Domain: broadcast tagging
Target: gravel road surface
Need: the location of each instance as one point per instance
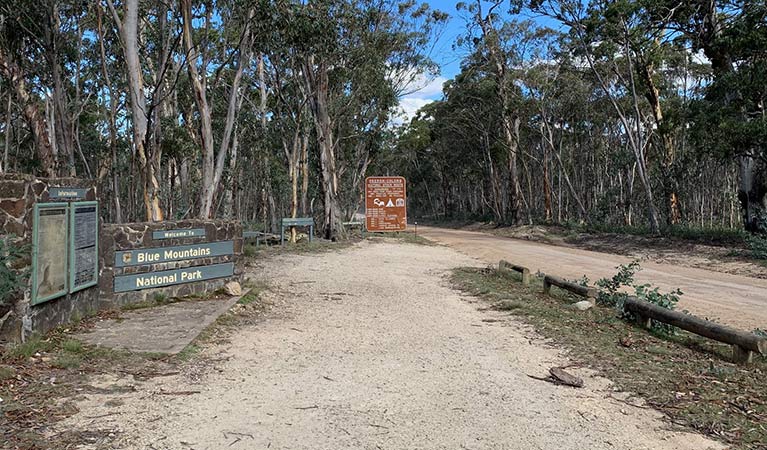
(369, 348)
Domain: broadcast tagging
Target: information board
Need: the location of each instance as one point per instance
(84, 259)
(50, 230)
(385, 204)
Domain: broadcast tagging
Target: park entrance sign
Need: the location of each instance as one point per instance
(385, 204)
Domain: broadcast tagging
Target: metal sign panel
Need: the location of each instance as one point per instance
(50, 230)
(297, 222)
(175, 234)
(156, 255)
(385, 204)
(140, 281)
(67, 193)
(83, 251)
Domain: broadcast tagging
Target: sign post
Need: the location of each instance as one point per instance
(385, 204)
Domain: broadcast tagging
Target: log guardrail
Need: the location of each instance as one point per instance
(744, 344)
(575, 288)
(505, 265)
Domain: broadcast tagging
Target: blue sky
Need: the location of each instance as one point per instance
(445, 56)
(449, 60)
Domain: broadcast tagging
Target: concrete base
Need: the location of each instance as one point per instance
(163, 329)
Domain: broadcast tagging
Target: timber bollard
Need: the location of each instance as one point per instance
(505, 265)
(584, 291)
(744, 344)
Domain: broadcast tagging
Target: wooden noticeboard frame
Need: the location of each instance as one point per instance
(385, 204)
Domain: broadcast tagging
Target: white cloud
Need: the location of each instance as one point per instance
(407, 108)
(420, 92)
(425, 87)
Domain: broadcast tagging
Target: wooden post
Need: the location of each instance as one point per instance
(644, 321)
(744, 344)
(742, 355)
(505, 265)
(584, 291)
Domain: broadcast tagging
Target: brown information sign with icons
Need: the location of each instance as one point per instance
(385, 202)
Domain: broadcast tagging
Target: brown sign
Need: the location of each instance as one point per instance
(385, 202)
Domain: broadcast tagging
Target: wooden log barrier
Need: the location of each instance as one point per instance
(584, 291)
(505, 265)
(744, 344)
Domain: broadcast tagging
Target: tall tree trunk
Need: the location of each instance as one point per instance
(118, 215)
(8, 123)
(318, 86)
(510, 121)
(305, 175)
(128, 28)
(31, 112)
(674, 216)
(213, 162)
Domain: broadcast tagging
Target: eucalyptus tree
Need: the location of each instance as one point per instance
(237, 49)
(490, 23)
(353, 54)
(154, 62)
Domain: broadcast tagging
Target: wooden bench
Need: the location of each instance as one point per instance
(744, 344)
(584, 291)
(505, 265)
(290, 222)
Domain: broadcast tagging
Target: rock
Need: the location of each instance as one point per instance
(560, 376)
(233, 288)
(582, 306)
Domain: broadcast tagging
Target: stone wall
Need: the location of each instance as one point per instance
(18, 196)
(132, 236)
(19, 318)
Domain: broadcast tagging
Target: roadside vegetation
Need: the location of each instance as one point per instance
(687, 377)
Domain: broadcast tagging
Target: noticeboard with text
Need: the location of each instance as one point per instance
(385, 204)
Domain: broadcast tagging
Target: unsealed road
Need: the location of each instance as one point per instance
(370, 348)
(731, 299)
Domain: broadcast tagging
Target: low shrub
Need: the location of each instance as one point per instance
(614, 291)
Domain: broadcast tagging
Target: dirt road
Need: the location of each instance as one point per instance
(369, 348)
(731, 299)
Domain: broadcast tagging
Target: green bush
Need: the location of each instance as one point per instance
(612, 292)
(758, 247)
(10, 280)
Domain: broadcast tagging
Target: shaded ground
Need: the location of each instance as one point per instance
(736, 300)
(166, 329)
(369, 348)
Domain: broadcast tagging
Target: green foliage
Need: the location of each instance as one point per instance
(11, 280)
(758, 247)
(613, 293)
(610, 293)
